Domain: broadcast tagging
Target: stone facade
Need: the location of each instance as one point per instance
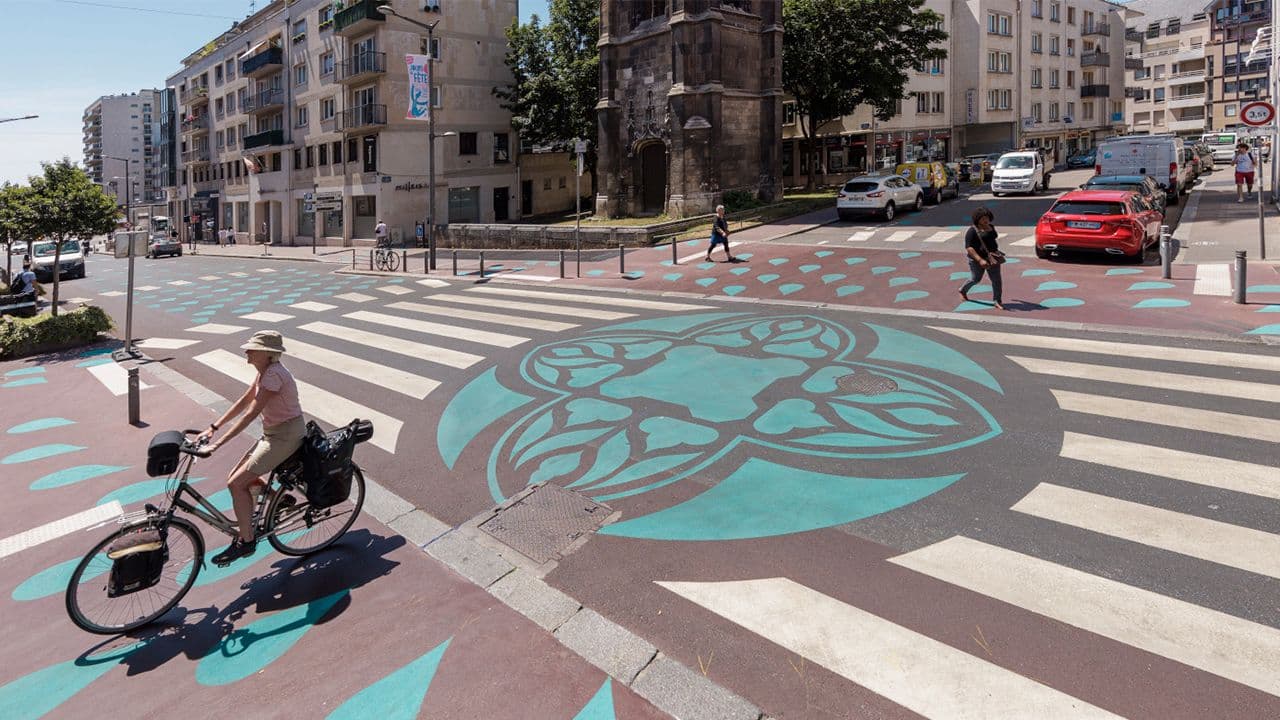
(690, 104)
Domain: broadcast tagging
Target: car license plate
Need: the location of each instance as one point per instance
(1083, 224)
(857, 196)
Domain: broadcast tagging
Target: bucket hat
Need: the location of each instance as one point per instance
(266, 341)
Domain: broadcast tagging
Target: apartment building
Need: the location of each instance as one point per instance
(291, 125)
(1037, 73)
(124, 126)
(1167, 63)
(1232, 82)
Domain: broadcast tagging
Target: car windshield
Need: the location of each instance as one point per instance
(1015, 162)
(1136, 187)
(1088, 207)
(861, 186)
(46, 249)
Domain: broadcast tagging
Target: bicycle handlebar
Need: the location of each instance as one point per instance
(196, 448)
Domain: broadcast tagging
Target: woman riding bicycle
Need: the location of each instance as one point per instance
(274, 396)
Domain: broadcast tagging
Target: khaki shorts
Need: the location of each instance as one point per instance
(277, 444)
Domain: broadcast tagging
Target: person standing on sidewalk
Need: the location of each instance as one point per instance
(380, 234)
(720, 234)
(1244, 170)
(984, 255)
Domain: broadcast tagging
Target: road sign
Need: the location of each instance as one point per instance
(1258, 113)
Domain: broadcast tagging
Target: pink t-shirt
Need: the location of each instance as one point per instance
(284, 404)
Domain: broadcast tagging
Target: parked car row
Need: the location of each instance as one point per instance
(909, 187)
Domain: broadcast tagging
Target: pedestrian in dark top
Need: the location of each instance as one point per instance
(984, 255)
(720, 234)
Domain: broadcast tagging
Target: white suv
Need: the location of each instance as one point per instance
(879, 195)
(1020, 171)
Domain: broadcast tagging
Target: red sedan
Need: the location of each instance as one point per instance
(1115, 222)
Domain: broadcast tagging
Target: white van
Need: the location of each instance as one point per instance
(1020, 171)
(1158, 156)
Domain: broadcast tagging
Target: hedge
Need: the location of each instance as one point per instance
(20, 337)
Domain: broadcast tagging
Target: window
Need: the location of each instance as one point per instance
(1053, 78)
(231, 104)
(1053, 112)
(788, 114)
(1153, 30)
(1071, 78)
(370, 153)
(1071, 110)
(219, 139)
(922, 102)
(322, 150)
(217, 75)
(1158, 95)
(218, 107)
(1053, 45)
(231, 70)
(433, 51)
(326, 17)
(998, 23)
(231, 137)
(326, 64)
(1071, 47)
(299, 30)
(300, 74)
(1055, 12)
(1229, 110)
(297, 158)
(275, 162)
(1071, 15)
(1035, 77)
(1037, 43)
(939, 102)
(1035, 112)
(328, 108)
(501, 148)
(562, 182)
(999, 99)
(435, 96)
(467, 143)
(1088, 110)
(1037, 8)
(1174, 27)
(311, 156)
(353, 150)
(302, 117)
(337, 152)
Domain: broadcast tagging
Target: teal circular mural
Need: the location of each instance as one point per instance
(773, 424)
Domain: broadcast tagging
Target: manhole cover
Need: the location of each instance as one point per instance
(863, 383)
(544, 523)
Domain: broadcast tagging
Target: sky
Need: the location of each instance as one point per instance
(58, 56)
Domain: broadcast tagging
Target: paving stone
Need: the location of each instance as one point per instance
(474, 562)
(535, 599)
(605, 644)
(418, 527)
(683, 693)
(382, 504)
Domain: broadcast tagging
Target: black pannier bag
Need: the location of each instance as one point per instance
(139, 567)
(162, 453)
(326, 461)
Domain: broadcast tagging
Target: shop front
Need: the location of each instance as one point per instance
(931, 145)
(1053, 146)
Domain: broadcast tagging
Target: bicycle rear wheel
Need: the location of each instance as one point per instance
(299, 529)
(86, 598)
(393, 261)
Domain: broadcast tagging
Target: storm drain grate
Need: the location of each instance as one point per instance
(865, 383)
(544, 523)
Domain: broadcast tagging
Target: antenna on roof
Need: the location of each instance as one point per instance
(253, 5)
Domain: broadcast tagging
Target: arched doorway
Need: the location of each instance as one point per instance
(653, 178)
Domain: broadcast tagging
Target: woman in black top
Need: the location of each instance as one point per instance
(984, 255)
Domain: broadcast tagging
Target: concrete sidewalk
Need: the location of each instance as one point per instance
(1214, 226)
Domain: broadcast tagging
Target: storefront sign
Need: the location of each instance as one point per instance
(411, 186)
(419, 88)
(971, 106)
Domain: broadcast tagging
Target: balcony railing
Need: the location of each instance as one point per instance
(269, 60)
(263, 139)
(357, 18)
(1095, 59)
(1098, 28)
(364, 116)
(200, 122)
(1133, 63)
(199, 155)
(269, 99)
(362, 64)
(1095, 91)
(1131, 35)
(1189, 100)
(194, 95)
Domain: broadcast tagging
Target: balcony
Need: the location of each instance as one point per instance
(264, 139)
(195, 157)
(1131, 35)
(1099, 28)
(1178, 54)
(269, 99)
(1186, 78)
(1095, 91)
(1262, 15)
(194, 95)
(361, 17)
(1095, 59)
(361, 66)
(270, 60)
(196, 124)
(1190, 100)
(1133, 63)
(1185, 124)
(365, 116)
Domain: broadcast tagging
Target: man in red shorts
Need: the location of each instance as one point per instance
(1244, 170)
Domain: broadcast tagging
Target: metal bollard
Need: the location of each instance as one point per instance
(622, 260)
(481, 264)
(561, 264)
(1241, 276)
(370, 261)
(455, 263)
(1166, 253)
(674, 246)
(135, 414)
(404, 260)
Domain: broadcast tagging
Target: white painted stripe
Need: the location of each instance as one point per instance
(268, 317)
(862, 236)
(417, 351)
(495, 303)
(111, 293)
(703, 254)
(1231, 545)
(76, 300)
(1227, 474)
(1212, 279)
(355, 297)
(913, 670)
(900, 236)
(1216, 358)
(147, 288)
(522, 276)
(1212, 641)
(431, 282)
(400, 381)
(942, 236)
(460, 333)
(332, 409)
(446, 312)
(208, 277)
(179, 282)
(1152, 379)
(114, 377)
(395, 290)
(1028, 241)
(165, 343)
(1210, 421)
(56, 529)
(266, 270)
(216, 329)
(238, 274)
(589, 299)
(313, 306)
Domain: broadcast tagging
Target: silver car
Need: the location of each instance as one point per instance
(880, 195)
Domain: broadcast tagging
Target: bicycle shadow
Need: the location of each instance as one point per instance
(356, 560)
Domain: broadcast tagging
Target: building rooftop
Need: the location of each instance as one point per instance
(1157, 10)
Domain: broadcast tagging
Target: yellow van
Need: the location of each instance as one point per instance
(933, 178)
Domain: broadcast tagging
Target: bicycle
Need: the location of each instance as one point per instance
(385, 258)
(281, 514)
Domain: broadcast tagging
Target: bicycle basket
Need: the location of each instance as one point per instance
(162, 453)
(138, 560)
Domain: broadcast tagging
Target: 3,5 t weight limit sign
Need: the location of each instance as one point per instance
(1258, 113)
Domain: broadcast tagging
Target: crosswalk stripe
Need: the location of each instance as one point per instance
(1212, 279)
(114, 378)
(460, 333)
(1219, 542)
(355, 297)
(179, 282)
(58, 528)
(147, 288)
(1210, 421)
(217, 329)
(589, 299)
(1028, 241)
(444, 311)
(1212, 641)
(400, 381)
(694, 256)
(900, 236)
(432, 282)
(238, 274)
(333, 409)
(591, 313)
(267, 317)
(1152, 379)
(112, 293)
(208, 277)
(862, 236)
(941, 236)
(417, 351)
(165, 343)
(395, 290)
(913, 670)
(1126, 350)
(313, 306)
(525, 277)
(1232, 475)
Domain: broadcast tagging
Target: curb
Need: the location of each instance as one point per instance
(629, 659)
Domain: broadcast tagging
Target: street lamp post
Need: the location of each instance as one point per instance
(128, 308)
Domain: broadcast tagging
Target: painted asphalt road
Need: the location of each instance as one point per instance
(822, 510)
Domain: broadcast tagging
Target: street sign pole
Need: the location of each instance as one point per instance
(1260, 116)
(580, 147)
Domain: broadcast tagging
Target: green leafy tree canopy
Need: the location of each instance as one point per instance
(64, 205)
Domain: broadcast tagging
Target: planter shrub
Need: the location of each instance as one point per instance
(21, 337)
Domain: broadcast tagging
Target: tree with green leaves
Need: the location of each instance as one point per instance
(839, 54)
(15, 220)
(555, 71)
(65, 205)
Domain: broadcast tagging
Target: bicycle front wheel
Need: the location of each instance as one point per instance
(393, 261)
(93, 611)
(299, 529)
